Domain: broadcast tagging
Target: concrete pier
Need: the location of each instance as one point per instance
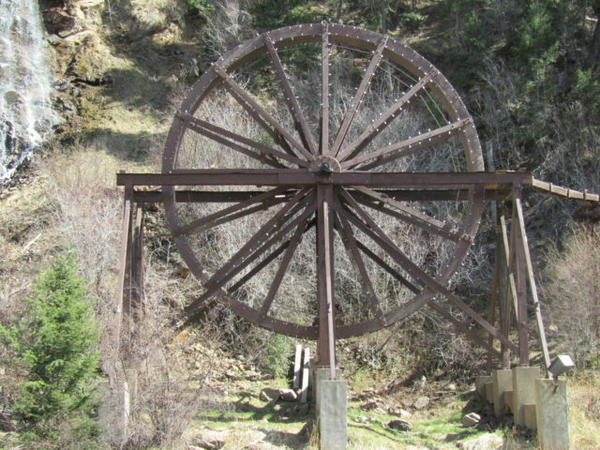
(502, 391)
(535, 403)
(524, 379)
(332, 411)
(552, 414)
(480, 383)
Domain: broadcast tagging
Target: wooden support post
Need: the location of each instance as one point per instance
(325, 270)
(131, 271)
(297, 367)
(510, 290)
(305, 376)
(519, 271)
(532, 284)
(123, 294)
(137, 263)
(500, 283)
(133, 268)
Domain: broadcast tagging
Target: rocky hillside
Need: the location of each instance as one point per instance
(120, 66)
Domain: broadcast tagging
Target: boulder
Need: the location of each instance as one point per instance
(471, 420)
(288, 395)
(269, 395)
(422, 402)
(208, 440)
(400, 425)
(485, 442)
(399, 412)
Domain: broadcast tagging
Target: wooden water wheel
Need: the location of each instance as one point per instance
(331, 177)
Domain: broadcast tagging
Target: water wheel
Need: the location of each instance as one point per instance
(329, 168)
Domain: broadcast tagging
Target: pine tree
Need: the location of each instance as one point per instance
(54, 344)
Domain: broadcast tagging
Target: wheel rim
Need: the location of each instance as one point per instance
(388, 250)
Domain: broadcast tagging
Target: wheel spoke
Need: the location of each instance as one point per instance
(233, 212)
(254, 109)
(216, 287)
(281, 271)
(324, 147)
(277, 222)
(369, 227)
(235, 265)
(290, 98)
(389, 269)
(409, 215)
(465, 329)
(384, 120)
(358, 97)
(266, 261)
(222, 136)
(353, 252)
(407, 147)
(277, 237)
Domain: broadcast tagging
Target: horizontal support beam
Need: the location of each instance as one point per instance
(299, 177)
(408, 195)
(156, 196)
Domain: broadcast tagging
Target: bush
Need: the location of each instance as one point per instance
(203, 7)
(277, 356)
(53, 345)
(571, 291)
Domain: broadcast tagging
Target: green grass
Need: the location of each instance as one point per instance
(437, 427)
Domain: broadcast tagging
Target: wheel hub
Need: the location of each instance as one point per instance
(325, 164)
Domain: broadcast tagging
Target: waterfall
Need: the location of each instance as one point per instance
(26, 114)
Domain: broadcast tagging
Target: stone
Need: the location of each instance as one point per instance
(485, 442)
(399, 412)
(303, 409)
(269, 395)
(422, 402)
(57, 20)
(252, 375)
(209, 440)
(288, 395)
(400, 425)
(471, 420)
(371, 405)
(232, 375)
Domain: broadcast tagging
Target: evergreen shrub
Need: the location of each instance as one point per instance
(53, 345)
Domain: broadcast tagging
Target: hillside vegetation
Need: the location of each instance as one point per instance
(529, 74)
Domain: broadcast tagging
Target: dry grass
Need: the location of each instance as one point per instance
(572, 293)
(584, 411)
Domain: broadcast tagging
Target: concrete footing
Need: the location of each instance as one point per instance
(480, 383)
(537, 404)
(523, 391)
(502, 383)
(553, 414)
(331, 408)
